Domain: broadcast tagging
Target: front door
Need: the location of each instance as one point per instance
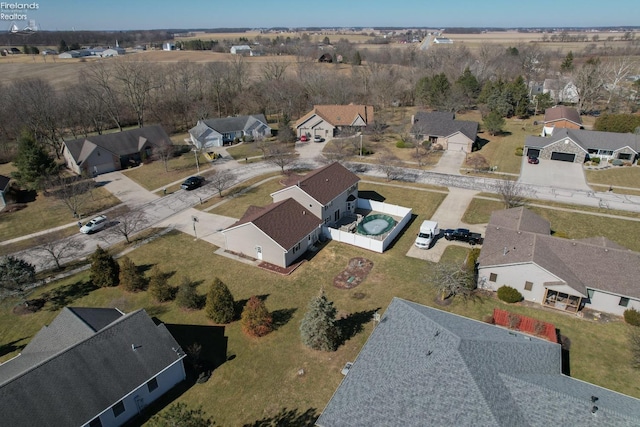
(259, 252)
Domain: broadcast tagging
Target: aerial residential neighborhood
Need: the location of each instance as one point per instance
(320, 224)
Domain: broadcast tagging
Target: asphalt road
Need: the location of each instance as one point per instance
(163, 209)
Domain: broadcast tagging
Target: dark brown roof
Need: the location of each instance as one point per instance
(560, 112)
(286, 222)
(328, 182)
(595, 263)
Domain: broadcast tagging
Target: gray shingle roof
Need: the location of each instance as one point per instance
(119, 143)
(588, 139)
(286, 222)
(442, 124)
(328, 182)
(423, 366)
(235, 124)
(507, 241)
(80, 381)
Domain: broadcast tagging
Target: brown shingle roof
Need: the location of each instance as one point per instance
(560, 112)
(520, 219)
(328, 182)
(286, 222)
(340, 115)
(595, 263)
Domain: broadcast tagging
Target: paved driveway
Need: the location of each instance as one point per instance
(553, 173)
(450, 162)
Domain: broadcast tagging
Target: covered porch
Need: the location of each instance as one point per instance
(562, 297)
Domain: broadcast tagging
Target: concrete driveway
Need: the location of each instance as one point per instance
(450, 162)
(553, 173)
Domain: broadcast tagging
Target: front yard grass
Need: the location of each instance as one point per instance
(264, 376)
(500, 150)
(246, 150)
(617, 176)
(47, 212)
(567, 224)
(153, 175)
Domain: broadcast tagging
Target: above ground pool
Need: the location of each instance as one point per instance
(374, 225)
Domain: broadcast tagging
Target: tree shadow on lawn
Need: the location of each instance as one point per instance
(213, 353)
(480, 142)
(282, 317)
(11, 347)
(371, 195)
(65, 295)
(354, 323)
(288, 418)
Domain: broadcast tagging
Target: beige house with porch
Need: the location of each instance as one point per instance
(326, 121)
(596, 273)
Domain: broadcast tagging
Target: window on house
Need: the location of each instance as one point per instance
(95, 422)
(590, 293)
(623, 302)
(493, 277)
(152, 384)
(118, 408)
(624, 156)
(528, 286)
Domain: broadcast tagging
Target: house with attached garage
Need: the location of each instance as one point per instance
(281, 232)
(568, 275)
(224, 131)
(425, 367)
(90, 367)
(579, 145)
(327, 121)
(560, 117)
(109, 152)
(441, 129)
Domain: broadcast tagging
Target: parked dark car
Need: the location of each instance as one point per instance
(192, 183)
(533, 160)
(463, 235)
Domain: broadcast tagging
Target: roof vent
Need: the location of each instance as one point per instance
(304, 212)
(594, 399)
(594, 409)
(429, 353)
(436, 334)
(574, 243)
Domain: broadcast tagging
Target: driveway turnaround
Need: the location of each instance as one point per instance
(449, 215)
(553, 173)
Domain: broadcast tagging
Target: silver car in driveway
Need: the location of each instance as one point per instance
(96, 224)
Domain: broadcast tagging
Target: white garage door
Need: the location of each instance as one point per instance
(457, 146)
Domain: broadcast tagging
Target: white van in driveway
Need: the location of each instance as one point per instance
(428, 232)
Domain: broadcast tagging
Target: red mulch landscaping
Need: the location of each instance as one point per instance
(356, 271)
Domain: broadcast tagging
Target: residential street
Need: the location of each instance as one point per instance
(175, 210)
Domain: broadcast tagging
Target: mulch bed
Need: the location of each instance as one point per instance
(356, 271)
(280, 270)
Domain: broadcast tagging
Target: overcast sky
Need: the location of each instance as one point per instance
(160, 14)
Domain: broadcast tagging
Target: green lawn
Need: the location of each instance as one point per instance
(245, 150)
(47, 212)
(153, 175)
(260, 380)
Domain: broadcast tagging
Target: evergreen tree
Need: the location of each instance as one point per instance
(15, 273)
(187, 295)
(285, 132)
(256, 319)
(159, 287)
(104, 269)
(318, 328)
(519, 95)
(357, 59)
(220, 305)
(567, 63)
(493, 123)
(34, 165)
(130, 278)
(469, 85)
(62, 47)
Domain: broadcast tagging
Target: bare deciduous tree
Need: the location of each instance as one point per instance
(452, 280)
(478, 162)
(57, 249)
(73, 191)
(221, 179)
(128, 222)
(164, 152)
(280, 155)
(513, 195)
(388, 164)
(421, 152)
(138, 81)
